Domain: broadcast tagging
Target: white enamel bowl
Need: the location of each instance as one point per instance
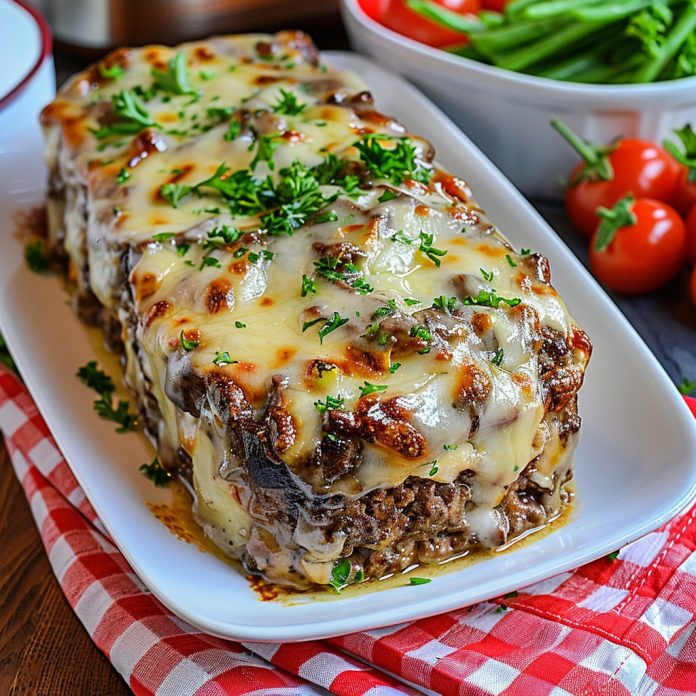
(507, 113)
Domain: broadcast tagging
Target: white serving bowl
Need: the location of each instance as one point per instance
(27, 76)
(507, 113)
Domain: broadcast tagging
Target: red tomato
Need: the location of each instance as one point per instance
(685, 194)
(639, 167)
(397, 16)
(691, 235)
(374, 9)
(692, 285)
(645, 255)
(495, 5)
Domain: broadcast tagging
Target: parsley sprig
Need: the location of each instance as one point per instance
(175, 78)
(490, 298)
(35, 257)
(288, 104)
(391, 158)
(131, 116)
(156, 473)
(328, 267)
(97, 380)
(329, 404)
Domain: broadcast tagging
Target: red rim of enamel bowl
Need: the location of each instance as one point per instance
(46, 47)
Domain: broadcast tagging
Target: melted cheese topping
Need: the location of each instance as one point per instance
(252, 308)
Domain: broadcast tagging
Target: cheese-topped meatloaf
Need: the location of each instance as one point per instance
(323, 330)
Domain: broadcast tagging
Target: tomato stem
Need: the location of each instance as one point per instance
(687, 157)
(613, 219)
(597, 164)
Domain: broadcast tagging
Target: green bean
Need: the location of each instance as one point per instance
(528, 55)
(554, 8)
(515, 8)
(677, 36)
(504, 38)
(444, 17)
(611, 11)
(569, 68)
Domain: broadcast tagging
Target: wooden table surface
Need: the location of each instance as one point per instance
(43, 648)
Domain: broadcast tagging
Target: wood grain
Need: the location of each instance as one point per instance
(44, 650)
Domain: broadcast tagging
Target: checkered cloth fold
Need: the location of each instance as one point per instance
(615, 626)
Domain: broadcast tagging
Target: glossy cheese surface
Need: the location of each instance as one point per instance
(394, 310)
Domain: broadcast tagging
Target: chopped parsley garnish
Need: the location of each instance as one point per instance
(446, 304)
(419, 581)
(491, 298)
(264, 254)
(613, 556)
(209, 262)
(266, 145)
(385, 311)
(132, 116)
(123, 175)
(329, 216)
(426, 246)
(433, 467)
(487, 275)
(162, 237)
(369, 388)
(394, 367)
(308, 285)
(515, 468)
(233, 131)
(327, 266)
(525, 252)
(35, 257)
(449, 448)
(411, 301)
(5, 356)
(182, 249)
(388, 195)
(94, 378)
(288, 104)
(240, 252)
(420, 331)
(188, 344)
(511, 595)
(240, 325)
(175, 79)
(220, 236)
(156, 473)
(329, 404)
(112, 72)
(340, 574)
(401, 237)
(394, 163)
(223, 358)
(207, 75)
(497, 359)
(686, 386)
(510, 260)
(331, 325)
(174, 193)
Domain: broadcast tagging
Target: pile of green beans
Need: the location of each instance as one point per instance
(593, 41)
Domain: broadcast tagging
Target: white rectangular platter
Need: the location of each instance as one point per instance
(636, 464)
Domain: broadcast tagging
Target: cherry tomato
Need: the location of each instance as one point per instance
(644, 255)
(639, 167)
(374, 9)
(396, 15)
(692, 285)
(607, 174)
(691, 235)
(495, 5)
(685, 195)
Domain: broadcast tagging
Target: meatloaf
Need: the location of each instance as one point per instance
(323, 330)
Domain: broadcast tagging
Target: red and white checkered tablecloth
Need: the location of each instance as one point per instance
(623, 626)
